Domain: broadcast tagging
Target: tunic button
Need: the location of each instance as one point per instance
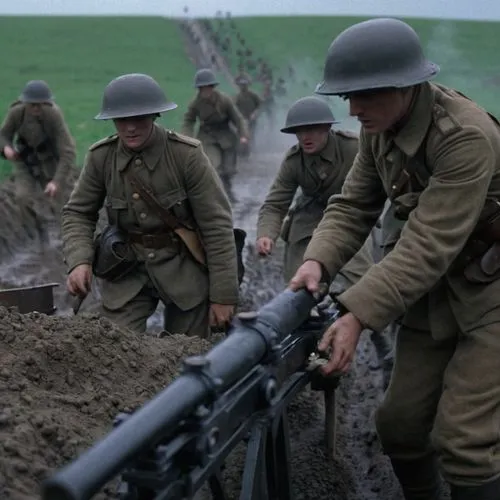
(138, 161)
(143, 215)
(151, 255)
(136, 196)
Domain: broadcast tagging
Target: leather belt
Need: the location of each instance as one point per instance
(153, 240)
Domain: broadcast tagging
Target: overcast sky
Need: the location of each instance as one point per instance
(453, 9)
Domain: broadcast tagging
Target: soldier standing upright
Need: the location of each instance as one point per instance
(436, 155)
(162, 195)
(318, 164)
(248, 103)
(215, 112)
(36, 138)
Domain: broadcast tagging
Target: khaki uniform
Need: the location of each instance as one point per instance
(319, 177)
(50, 137)
(183, 180)
(248, 102)
(219, 141)
(446, 375)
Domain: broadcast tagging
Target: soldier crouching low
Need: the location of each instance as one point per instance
(436, 155)
(35, 136)
(170, 234)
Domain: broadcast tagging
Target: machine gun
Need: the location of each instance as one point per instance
(238, 391)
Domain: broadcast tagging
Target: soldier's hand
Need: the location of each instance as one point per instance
(79, 280)
(342, 337)
(51, 189)
(10, 153)
(308, 276)
(264, 245)
(220, 314)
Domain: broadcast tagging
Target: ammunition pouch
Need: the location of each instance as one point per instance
(480, 257)
(113, 257)
(479, 261)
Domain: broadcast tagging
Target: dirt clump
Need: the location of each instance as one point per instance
(63, 380)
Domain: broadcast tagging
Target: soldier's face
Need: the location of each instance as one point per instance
(379, 110)
(206, 92)
(312, 139)
(134, 131)
(34, 108)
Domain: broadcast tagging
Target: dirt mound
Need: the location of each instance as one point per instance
(63, 380)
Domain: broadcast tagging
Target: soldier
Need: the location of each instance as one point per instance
(268, 103)
(155, 182)
(436, 155)
(318, 165)
(215, 112)
(247, 102)
(36, 138)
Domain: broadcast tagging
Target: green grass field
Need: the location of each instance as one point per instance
(79, 56)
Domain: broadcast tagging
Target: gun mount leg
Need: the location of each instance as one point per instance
(267, 466)
(278, 459)
(328, 385)
(216, 486)
(254, 482)
(330, 421)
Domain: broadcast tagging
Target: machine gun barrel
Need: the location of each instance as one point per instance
(225, 364)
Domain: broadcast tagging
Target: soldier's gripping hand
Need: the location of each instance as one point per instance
(341, 339)
(308, 276)
(51, 189)
(220, 314)
(264, 245)
(79, 280)
(10, 153)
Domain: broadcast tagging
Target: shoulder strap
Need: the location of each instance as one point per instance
(147, 195)
(417, 165)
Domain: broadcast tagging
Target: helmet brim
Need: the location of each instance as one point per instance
(293, 129)
(420, 75)
(110, 115)
(28, 100)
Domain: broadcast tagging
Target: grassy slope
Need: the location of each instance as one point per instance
(79, 56)
(466, 51)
